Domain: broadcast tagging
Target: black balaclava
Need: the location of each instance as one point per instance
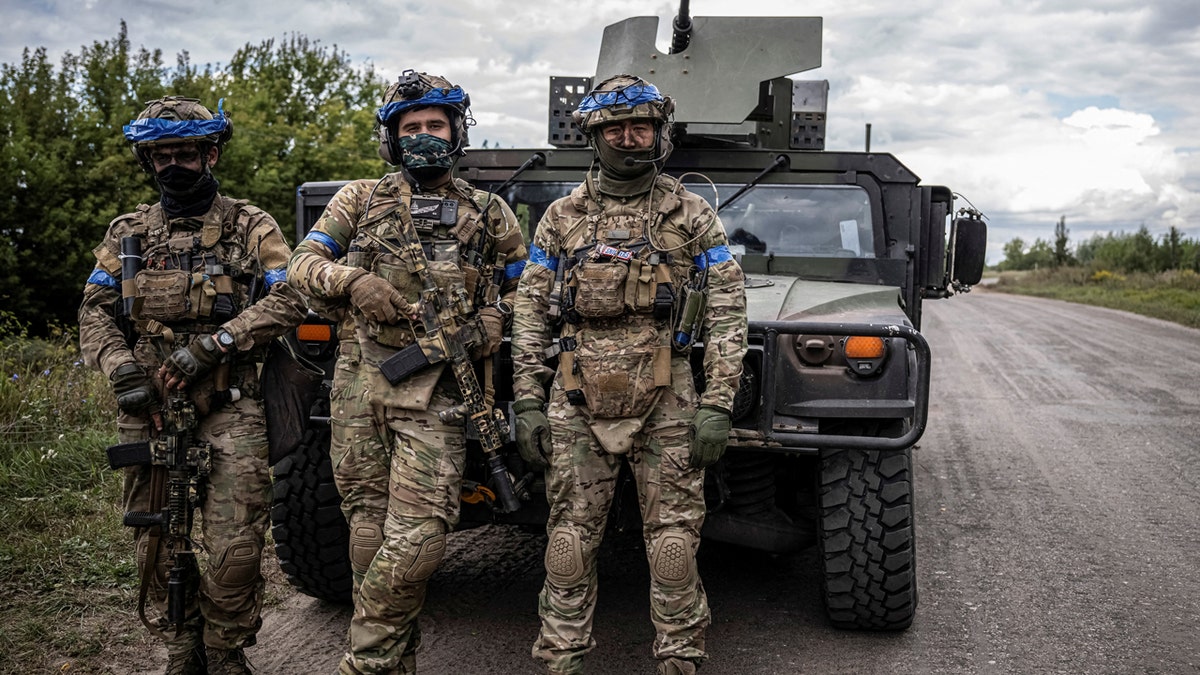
(186, 193)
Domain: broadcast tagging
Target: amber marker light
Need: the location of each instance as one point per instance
(314, 332)
(859, 347)
(864, 355)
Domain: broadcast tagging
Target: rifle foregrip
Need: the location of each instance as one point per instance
(143, 519)
(122, 455)
(404, 363)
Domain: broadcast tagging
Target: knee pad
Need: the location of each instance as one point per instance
(564, 556)
(365, 540)
(238, 565)
(425, 547)
(672, 562)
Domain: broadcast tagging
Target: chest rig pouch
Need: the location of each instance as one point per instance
(609, 281)
(382, 249)
(185, 279)
(617, 366)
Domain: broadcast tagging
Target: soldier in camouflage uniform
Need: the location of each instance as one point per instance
(613, 259)
(211, 290)
(470, 239)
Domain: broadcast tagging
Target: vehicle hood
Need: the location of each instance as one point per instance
(781, 298)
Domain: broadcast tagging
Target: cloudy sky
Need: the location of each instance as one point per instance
(1032, 109)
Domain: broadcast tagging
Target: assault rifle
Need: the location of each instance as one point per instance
(179, 468)
(444, 340)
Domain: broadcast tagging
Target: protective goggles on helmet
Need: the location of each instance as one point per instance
(630, 95)
(152, 129)
(453, 97)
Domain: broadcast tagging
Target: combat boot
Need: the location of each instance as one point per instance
(676, 667)
(227, 662)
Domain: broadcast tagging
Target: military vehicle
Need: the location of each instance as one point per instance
(840, 250)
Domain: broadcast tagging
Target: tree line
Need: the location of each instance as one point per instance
(1120, 252)
(301, 111)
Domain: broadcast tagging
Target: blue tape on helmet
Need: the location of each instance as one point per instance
(157, 129)
(454, 97)
(634, 94)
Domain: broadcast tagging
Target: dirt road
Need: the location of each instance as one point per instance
(1059, 514)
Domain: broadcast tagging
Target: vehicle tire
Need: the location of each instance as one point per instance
(312, 540)
(866, 538)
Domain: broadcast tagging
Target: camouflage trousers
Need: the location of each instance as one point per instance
(359, 454)
(424, 482)
(580, 484)
(233, 521)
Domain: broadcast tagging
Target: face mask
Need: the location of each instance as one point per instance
(612, 160)
(425, 156)
(179, 182)
(186, 192)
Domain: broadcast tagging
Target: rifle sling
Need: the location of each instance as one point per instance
(158, 488)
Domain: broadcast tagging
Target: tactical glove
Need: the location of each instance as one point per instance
(493, 329)
(194, 361)
(377, 299)
(533, 433)
(134, 389)
(709, 434)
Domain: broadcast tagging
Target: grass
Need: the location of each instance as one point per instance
(67, 577)
(68, 581)
(1172, 296)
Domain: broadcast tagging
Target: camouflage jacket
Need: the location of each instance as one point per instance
(682, 228)
(479, 245)
(231, 250)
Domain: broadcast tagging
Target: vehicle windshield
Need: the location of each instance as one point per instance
(819, 221)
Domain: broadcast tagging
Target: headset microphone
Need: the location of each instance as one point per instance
(629, 161)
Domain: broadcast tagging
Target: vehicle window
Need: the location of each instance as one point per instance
(819, 221)
(798, 220)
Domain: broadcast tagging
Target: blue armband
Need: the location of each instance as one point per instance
(539, 257)
(326, 241)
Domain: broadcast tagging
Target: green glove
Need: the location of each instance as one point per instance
(377, 299)
(134, 389)
(710, 434)
(193, 362)
(533, 433)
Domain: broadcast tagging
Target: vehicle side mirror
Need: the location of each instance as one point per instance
(968, 241)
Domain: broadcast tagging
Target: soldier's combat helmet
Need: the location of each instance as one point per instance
(620, 98)
(175, 119)
(413, 91)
